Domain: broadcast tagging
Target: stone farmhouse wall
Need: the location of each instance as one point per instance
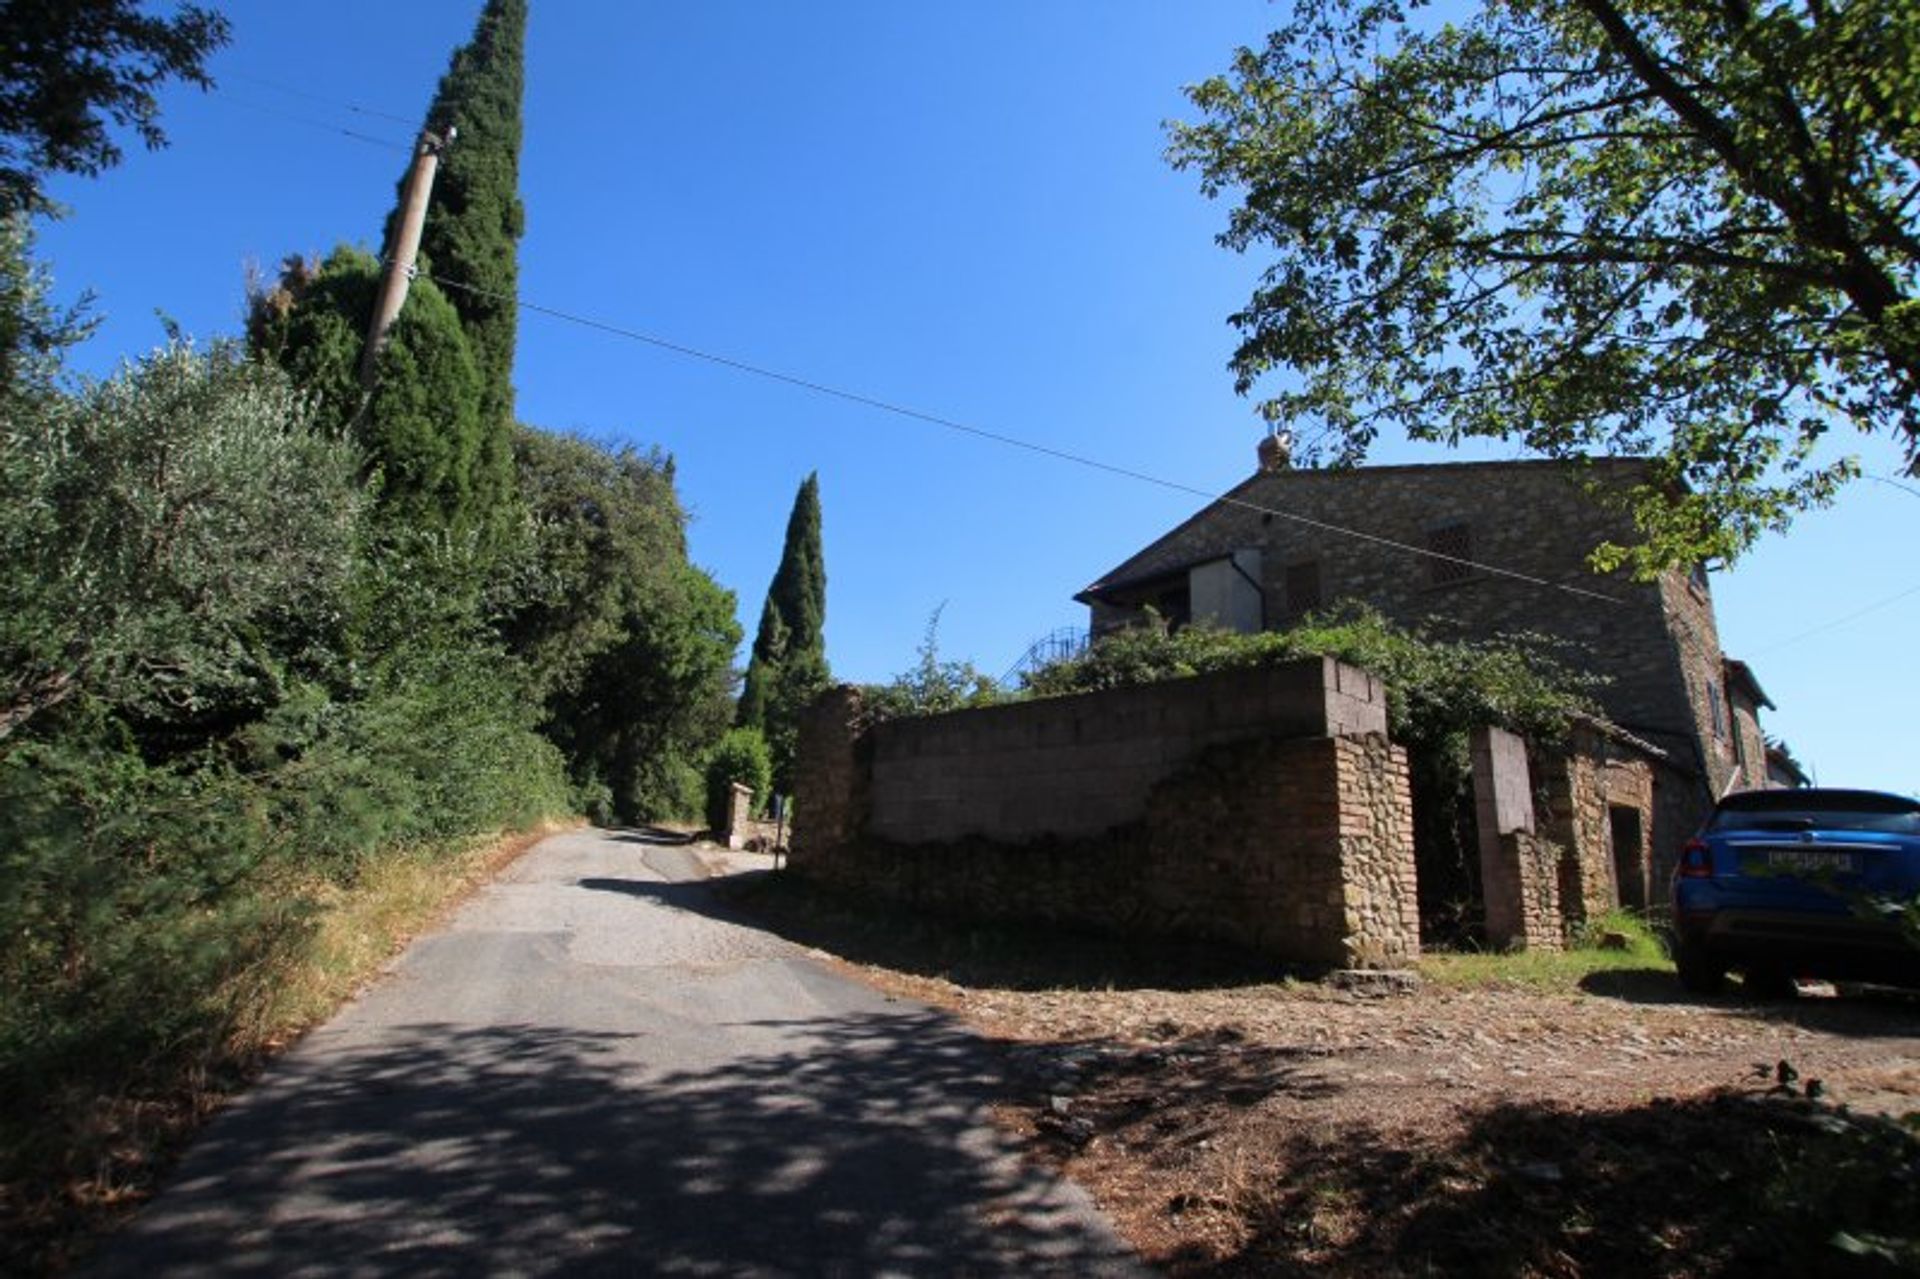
(1262, 808)
(1655, 642)
(1558, 827)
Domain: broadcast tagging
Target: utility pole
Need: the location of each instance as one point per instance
(403, 248)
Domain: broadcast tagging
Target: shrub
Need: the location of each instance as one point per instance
(741, 756)
(934, 685)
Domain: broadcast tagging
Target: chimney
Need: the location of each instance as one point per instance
(1275, 450)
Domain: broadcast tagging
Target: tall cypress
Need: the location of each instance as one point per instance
(474, 219)
(789, 662)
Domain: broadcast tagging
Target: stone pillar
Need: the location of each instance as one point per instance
(1379, 878)
(831, 780)
(739, 815)
(1519, 871)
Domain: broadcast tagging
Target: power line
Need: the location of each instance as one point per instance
(288, 89)
(312, 123)
(1890, 482)
(1841, 621)
(1010, 441)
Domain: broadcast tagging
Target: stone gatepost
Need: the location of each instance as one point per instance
(1519, 871)
(739, 816)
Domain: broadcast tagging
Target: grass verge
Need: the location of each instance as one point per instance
(1617, 942)
(79, 1166)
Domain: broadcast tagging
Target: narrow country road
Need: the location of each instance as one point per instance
(592, 1071)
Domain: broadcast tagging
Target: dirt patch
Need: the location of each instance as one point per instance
(1247, 1127)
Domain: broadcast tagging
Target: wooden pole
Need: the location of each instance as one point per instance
(403, 249)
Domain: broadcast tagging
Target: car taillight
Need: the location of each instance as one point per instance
(1696, 862)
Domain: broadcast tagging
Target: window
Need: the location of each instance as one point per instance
(1697, 577)
(1303, 587)
(1175, 606)
(1453, 541)
(1717, 704)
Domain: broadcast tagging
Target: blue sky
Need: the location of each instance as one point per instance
(962, 209)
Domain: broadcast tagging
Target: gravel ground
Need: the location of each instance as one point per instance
(1297, 1128)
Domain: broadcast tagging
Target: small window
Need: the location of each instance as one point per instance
(1303, 586)
(1717, 704)
(1454, 542)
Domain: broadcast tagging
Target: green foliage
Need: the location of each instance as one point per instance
(1436, 690)
(33, 331)
(225, 691)
(69, 71)
(741, 756)
(170, 540)
(1639, 954)
(789, 662)
(933, 685)
(474, 220)
(1667, 228)
(629, 645)
(429, 446)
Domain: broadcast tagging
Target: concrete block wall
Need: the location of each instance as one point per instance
(1262, 808)
(1076, 766)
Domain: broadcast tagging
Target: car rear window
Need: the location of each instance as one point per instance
(1818, 810)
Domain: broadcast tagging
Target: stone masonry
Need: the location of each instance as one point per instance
(1261, 808)
(1519, 868)
(1654, 642)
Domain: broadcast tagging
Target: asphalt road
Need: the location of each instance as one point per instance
(593, 1070)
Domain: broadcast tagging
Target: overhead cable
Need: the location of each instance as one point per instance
(278, 87)
(1010, 441)
(1857, 614)
(311, 123)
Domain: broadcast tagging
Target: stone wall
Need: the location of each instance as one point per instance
(1578, 785)
(1654, 642)
(1261, 808)
(1520, 868)
(1081, 765)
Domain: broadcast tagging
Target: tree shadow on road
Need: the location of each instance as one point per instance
(859, 1148)
(993, 955)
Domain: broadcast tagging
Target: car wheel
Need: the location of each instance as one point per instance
(1699, 972)
(1768, 984)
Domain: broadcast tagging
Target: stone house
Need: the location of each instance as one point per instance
(1502, 542)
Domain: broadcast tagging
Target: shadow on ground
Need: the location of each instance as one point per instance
(448, 1150)
(1867, 1012)
(1726, 1185)
(654, 835)
(999, 956)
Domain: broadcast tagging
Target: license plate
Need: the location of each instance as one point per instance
(1812, 860)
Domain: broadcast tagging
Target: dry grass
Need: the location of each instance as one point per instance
(360, 928)
(101, 1156)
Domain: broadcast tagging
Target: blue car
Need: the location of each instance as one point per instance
(1782, 884)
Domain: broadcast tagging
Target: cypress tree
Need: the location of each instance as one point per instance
(474, 219)
(789, 662)
(422, 431)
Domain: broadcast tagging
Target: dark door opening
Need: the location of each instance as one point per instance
(1629, 856)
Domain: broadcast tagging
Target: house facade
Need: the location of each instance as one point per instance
(1465, 550)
